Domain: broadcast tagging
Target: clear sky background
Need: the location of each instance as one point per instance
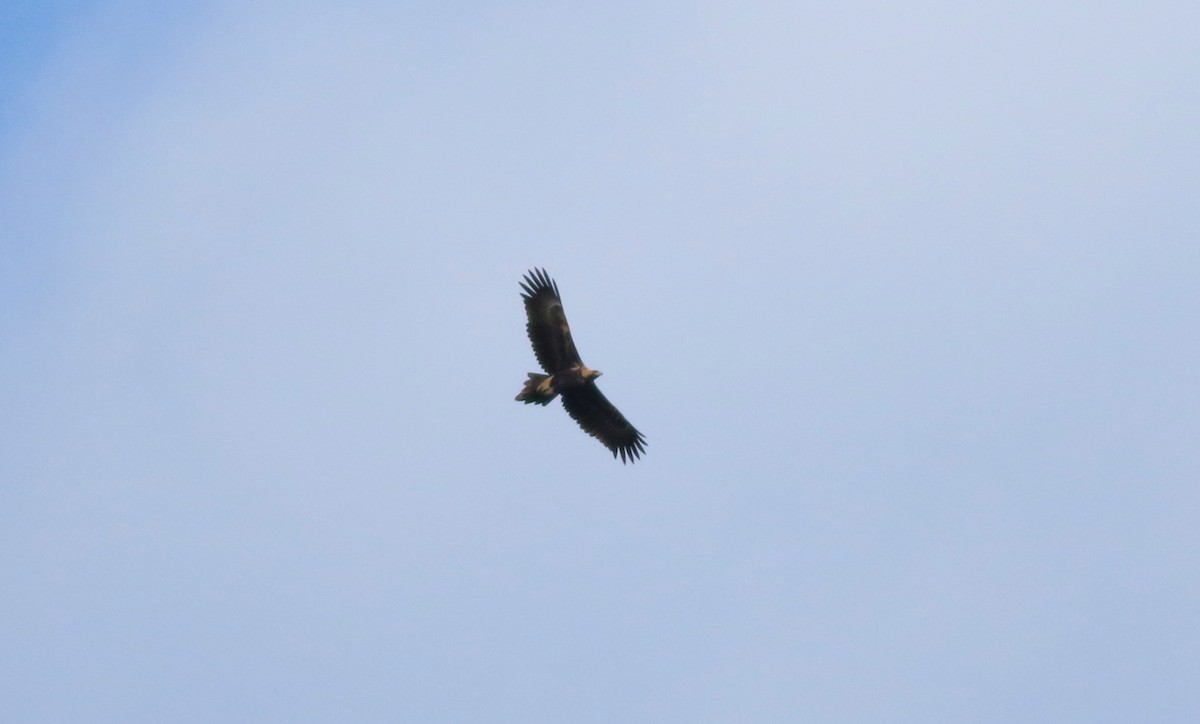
(905, 297)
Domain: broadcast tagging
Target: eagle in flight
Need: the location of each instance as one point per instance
(566, 375)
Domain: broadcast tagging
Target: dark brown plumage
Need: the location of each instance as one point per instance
(566, 375)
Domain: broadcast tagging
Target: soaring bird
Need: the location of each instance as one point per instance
(566, 374)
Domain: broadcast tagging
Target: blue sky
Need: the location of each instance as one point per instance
(904, 299)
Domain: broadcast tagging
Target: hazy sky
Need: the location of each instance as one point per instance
(906, 299)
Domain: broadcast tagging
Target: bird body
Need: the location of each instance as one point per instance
(542, 389)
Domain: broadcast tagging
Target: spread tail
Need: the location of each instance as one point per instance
(539, 390)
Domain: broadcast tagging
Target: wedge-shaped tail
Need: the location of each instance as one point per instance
(538, 390)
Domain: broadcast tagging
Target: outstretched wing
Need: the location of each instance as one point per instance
(547, 325)
(588, 406)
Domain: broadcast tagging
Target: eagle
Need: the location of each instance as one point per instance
(566, 374)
